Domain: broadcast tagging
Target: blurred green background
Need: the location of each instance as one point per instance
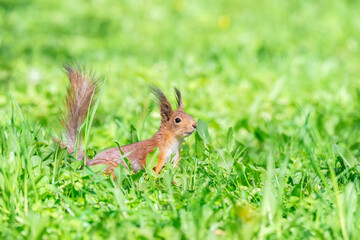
(269, 70)
(232, 60)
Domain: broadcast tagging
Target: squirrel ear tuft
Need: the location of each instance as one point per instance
(179, 100)
(165, 106)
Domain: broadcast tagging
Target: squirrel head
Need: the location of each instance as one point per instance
(177, 122)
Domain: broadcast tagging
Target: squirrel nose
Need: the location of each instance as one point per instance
(194, 125)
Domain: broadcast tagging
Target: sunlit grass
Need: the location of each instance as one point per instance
(273, 85)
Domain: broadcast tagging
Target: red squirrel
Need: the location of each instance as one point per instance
(175, 126)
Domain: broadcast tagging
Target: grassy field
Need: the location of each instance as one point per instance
(274, 86)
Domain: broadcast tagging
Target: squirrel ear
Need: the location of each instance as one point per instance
(165, 106)
(179, 100)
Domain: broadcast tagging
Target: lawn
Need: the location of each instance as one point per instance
(275, 89)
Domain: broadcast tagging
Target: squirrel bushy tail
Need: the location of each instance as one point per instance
(81, 96)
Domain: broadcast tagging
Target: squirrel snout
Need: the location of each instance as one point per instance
(194, 125)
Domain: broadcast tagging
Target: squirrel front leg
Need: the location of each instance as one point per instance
(162, 158)
(161, 162)
(176, 159)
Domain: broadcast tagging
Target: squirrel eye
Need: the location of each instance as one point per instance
(177, 120)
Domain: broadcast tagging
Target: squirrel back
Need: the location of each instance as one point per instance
(175, 126)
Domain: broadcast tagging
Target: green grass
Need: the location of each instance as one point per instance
(274, 86)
